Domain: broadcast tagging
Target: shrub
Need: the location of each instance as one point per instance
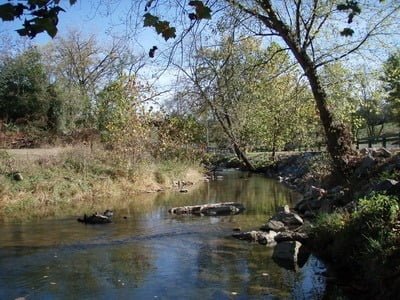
(363, 242)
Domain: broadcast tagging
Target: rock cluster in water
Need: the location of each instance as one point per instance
(283, 232)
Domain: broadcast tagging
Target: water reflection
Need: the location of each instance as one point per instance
(153, 254)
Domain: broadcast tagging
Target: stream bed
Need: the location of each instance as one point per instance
(147, 253)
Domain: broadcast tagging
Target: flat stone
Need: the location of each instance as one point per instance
(289, 219)
(273, 225)
(290, 236)
(261, 237)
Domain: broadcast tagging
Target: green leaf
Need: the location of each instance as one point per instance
(152, 51)
(150, 20)
(166, 31)
(50, 27)
(22, 32)
(162, 27)
(347, 32)
(202, 11)
(7, 12)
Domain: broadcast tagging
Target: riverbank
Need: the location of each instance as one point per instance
(70, 181)
(354, 225)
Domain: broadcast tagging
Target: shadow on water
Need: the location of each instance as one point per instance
(151, 253)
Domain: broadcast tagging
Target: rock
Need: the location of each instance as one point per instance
(288, 218)
(284, 209)
(219, 210)
(317, 192)
(391, 186)
(287, 250)
(290, 236)
(96, 218)
(381, 152)
(261, 237)
(108, 213)
(17, 176)
(273, 225)
(290, 255)
(365, 166)
(215, 209)
(302, 206)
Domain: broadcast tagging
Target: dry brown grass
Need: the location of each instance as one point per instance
(69, 181)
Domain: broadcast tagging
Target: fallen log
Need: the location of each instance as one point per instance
(213, 209)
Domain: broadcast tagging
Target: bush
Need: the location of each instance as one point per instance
(326, 229)
(362, 243)
(377, 210)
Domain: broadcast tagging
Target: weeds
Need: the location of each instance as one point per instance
(362, 241)
(78, 179)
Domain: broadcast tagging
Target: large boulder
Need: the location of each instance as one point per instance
(287, 217)
(290, 255)
(365, 167)
(273, 225)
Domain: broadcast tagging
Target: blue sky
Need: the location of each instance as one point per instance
(89, 17)
(104, 21)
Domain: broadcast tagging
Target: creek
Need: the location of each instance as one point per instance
(147, 253)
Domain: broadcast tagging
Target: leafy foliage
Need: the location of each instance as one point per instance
(365, 239)
(201, 11)
(391, 80)
(44, 15)
(161, 27)
(23, 87)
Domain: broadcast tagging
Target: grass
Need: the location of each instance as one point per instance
(80, 180)
(363, 244)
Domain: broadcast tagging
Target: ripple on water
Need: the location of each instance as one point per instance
(153, 253)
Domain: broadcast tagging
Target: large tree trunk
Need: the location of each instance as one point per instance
(242, 156)
(227, 128)
(337, 135)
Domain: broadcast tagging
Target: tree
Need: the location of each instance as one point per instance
(391, 80)
(257, 101)
(23, 87)
(221, 78)
(303, 27)
(123, 122)
(339, 83)
(372, 107)
(81, 68)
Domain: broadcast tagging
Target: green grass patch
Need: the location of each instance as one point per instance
(362, 243)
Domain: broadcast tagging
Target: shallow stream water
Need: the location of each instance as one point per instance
(151, 254)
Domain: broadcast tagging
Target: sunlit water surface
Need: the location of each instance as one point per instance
(154, 255)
